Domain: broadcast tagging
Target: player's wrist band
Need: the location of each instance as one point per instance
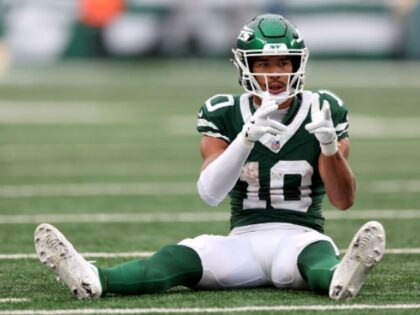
(248, 143)
(329, 149)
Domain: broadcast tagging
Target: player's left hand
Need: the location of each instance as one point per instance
(260, 123)
(322, 126)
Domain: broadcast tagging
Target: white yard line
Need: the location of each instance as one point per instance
(97, 189)
(19, 256)
(168, 188)
(89, 255)
(398, 251)
(196, 216)
(118, 168)
(242, 309)
(59, 112)
(14, 300)
(116, 217)
(362, 126)
(372, 214)
(394, 186)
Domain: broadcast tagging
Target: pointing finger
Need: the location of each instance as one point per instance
(314, 125)
(267, 109)
(326, 111)
(315, 102)
(276, 125)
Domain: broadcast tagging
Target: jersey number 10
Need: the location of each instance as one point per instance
(282, 195)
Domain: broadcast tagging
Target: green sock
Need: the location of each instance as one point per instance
(171, 266)
(316, 264)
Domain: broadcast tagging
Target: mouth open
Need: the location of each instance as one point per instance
(276, 88)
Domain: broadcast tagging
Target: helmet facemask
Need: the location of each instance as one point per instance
(248, 79)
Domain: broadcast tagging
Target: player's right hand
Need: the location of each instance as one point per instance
(260, 124)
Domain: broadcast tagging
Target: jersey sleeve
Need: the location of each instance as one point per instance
(339, 112)
(211, 118)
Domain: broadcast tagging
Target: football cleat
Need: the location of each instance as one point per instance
(59, 255)
(364, 253)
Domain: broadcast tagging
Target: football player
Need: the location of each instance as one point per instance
(276, 150)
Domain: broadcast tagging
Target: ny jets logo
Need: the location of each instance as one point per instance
(275, 48)
(245, 35)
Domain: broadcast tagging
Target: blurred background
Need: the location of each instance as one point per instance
(45, 31)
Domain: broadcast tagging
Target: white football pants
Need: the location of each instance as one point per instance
(254, 255)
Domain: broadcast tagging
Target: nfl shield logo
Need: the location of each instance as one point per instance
(275, 145)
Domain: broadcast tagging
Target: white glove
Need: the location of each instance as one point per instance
(322, 126)
(259, 124)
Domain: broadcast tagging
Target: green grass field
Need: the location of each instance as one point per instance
(108, 153)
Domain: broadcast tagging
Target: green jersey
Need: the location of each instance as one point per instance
(280, 181)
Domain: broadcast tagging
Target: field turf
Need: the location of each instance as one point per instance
(108, 152)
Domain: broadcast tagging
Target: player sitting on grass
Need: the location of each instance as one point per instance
(276, 150)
